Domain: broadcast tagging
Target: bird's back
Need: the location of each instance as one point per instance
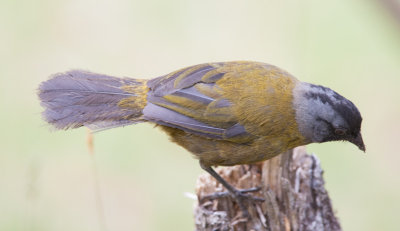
(226, 113)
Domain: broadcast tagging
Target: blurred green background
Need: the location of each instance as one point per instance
(46, 178)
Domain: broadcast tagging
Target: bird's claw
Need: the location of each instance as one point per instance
(239, 195)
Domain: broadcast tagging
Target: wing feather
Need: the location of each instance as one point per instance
(189, 99)
(167, 117)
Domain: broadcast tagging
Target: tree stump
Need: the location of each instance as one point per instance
(293, 189)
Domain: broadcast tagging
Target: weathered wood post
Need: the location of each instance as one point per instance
(293, 189)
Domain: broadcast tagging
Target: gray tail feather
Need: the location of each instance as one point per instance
(80, 98)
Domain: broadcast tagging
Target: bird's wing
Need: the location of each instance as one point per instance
(189, 99)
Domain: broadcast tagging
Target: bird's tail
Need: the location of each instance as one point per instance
(79, 98)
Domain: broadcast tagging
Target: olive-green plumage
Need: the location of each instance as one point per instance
(256, 96)
(225, 113)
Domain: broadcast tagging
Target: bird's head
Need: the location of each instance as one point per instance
(324, 115)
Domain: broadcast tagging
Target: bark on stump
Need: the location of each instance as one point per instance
(293, 189)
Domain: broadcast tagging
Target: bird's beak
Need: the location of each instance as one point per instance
(358, 141)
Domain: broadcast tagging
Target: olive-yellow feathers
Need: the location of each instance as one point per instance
(225, 113)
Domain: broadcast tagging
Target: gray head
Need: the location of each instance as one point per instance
(324, 115)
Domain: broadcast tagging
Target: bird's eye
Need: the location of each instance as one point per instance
(340, 131)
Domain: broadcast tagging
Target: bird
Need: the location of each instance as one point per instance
(224, 113)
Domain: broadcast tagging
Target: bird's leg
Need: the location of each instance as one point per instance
(239, 195)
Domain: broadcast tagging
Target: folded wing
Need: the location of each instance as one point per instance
(189, 99)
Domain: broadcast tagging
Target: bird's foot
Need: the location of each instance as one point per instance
(241, 196)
